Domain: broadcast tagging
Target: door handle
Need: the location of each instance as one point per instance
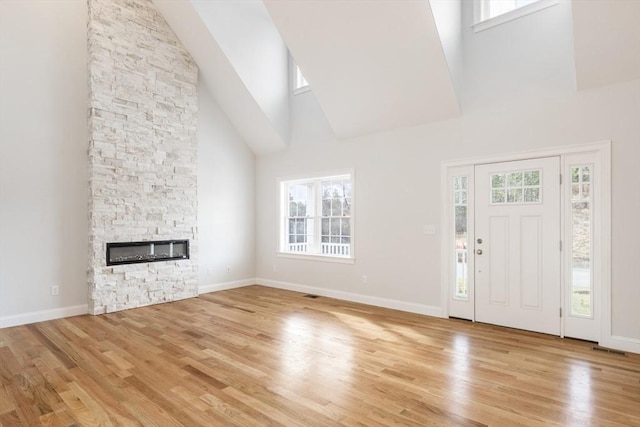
(479, 252)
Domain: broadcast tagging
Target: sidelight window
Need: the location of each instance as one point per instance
(581, 240)
(461, 222)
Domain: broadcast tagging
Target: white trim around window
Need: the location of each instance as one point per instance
(299, 83)
(316, 220)
(482, 22)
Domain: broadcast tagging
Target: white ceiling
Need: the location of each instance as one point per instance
(372, 65)
(251, 119)
(607, 41)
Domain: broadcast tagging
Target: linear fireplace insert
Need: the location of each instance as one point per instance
(149, 251)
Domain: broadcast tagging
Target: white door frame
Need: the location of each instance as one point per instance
(601, 153)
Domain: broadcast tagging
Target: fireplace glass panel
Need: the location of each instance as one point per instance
(152, 251)
(180, 249)
(129, 253)
(163, 250)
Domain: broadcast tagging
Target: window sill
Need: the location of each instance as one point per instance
(322, 258)
(514, 14)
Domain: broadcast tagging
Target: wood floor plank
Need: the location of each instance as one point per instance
(10, 419)
(258, 356)
(6, 402)
(54, 348)
(26, 409)
(57, 419)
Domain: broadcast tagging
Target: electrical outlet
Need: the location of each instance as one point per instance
(365, 280)
(55, 290)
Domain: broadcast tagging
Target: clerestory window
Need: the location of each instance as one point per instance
(489, 13)
(301, 82)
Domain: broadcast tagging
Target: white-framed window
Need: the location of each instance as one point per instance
(458, 227)
(461, 237)
(299, 83)
(516, 187)
(317, 217)
(489, 13)
(581, 225)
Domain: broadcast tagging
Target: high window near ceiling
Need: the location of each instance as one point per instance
(298, 81)
(489, 13)
(317, 217)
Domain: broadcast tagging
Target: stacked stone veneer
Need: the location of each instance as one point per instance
(142, 153)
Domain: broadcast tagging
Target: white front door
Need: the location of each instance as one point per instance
(517, 246)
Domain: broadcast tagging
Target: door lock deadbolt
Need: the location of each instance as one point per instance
(479, 240)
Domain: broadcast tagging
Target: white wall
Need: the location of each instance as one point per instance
(536, 50)
(226, 198)
(43, 156)
(398, 172)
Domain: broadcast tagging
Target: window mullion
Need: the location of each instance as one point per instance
(315, 248)
(284, 200)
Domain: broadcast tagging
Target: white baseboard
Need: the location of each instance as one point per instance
(226, 285)
(42, 315)
(354, 297)
(615, 342)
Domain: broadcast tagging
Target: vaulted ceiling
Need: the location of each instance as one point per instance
(243, 66)
(372, 65)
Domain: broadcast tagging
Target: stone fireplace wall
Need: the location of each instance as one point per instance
(142, 153)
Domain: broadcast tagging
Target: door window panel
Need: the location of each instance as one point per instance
(518, 187)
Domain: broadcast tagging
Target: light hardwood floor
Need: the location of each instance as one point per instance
(258, 356)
